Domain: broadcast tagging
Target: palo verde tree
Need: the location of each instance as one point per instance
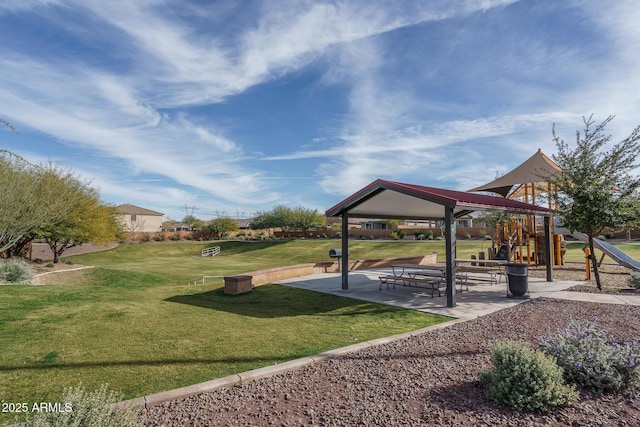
(597, 188)
(31, 196)
(34, 199)
(89, 220)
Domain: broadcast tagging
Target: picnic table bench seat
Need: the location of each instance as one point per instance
(432, 280)
(480, 273)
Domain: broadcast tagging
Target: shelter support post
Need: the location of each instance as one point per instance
(345, 250)
(450, 247)
(548, 248)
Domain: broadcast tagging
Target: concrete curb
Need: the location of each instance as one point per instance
(269, 371)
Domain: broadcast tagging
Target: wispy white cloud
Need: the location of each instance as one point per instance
(139, 105)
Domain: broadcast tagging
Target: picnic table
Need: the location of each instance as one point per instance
(482, 270)
(430, 276)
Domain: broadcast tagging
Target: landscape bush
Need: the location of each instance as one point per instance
(525, 378)
(15, 270)
(589, 360)
(634, 280)
(82, 409)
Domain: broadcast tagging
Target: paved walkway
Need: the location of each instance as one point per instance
(481, 299)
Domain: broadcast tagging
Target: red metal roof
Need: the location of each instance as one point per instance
(390, 199)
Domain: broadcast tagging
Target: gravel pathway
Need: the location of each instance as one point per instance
(425, 380)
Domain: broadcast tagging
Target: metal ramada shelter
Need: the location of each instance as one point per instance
(397, 200)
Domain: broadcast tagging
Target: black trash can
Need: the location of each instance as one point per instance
(518, 278)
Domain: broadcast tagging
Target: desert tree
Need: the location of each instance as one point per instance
(32, 197)
(286, 218)
(192, 222)
(597, 188)
(304, 218)
(278, 217)
(21, 209)
(89, 220)
(221, 226)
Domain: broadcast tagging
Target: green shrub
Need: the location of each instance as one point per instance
(525, 379)
(487, 237)
(609, 235)
(15, 270)
(339, 235)
(82, 409)
(467, 235)
(634, 280)
(589, 360)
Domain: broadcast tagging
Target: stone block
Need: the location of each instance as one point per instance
(234, 285)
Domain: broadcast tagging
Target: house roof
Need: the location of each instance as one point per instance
(389, 199)
(532, 170)
(136, 210)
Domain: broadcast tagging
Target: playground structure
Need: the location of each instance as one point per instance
(513, 240)
(611, 251)
(521, 239)
(518, 240)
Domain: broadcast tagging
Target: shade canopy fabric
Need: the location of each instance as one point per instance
(537, 168)
(389, 199)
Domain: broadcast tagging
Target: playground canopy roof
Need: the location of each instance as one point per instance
(535, 169)
(389, 199)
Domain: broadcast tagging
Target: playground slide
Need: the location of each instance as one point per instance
(614, 253)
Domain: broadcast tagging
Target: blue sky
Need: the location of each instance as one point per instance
(232, 107)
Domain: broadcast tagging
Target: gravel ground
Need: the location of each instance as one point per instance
(426, 380)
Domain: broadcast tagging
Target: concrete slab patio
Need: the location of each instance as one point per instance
(481, 299)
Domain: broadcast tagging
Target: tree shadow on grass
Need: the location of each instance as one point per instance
(271, 301)
(109, 364)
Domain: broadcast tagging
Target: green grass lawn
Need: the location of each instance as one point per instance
(133, 321)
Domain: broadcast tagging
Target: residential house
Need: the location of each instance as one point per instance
(135, 219)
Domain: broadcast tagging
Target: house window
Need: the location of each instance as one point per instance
(133, 218)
